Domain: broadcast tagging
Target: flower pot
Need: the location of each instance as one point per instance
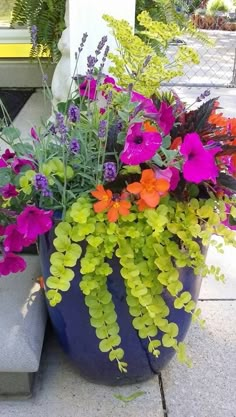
(71, 322)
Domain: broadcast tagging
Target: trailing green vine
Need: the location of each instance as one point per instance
(152, 247)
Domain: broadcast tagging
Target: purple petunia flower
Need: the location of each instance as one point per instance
(8, 155)
(34, 134)
(8, 191)
(199, 163)
(19, 163)
(88, 88)
(3, 163)
(11, 263)
(165, 118)
(140, 145)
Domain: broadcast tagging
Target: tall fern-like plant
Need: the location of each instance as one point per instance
(48, 16)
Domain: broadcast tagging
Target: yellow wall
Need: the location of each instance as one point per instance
(16, 50)
(20, 50)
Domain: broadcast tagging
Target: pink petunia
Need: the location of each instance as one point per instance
(19, 163)
(3, 163)
(34, 134)
(33, 222)
(165, 118)
(171, 174)
(199, 164)
(145, 104)
(110, 80)
(12, 263)
(88, 88)
(8, 191)
(8, 155)
(14, 240)
(174, 179)
(2, 230)
(140, 145)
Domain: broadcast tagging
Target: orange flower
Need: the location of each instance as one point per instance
(233, 165)
(142, 205)
(148, 127)
(116, 204)
(118, 208)
(150, 188)
(105, 197)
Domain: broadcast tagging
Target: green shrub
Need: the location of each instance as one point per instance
(219, 6)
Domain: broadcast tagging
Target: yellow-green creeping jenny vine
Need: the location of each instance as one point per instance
(152, 247)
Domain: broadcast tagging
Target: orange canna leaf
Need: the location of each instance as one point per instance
(177, 142)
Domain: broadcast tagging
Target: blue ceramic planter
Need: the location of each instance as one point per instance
(70, 320)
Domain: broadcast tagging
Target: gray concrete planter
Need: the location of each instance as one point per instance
(22, 327)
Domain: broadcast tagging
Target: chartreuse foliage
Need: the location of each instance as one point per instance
(128, 65)
(152, 247)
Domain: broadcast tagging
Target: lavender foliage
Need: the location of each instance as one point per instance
(110, 171)
(102, 129)
(74, 113)
(74, 146)
(34, 32)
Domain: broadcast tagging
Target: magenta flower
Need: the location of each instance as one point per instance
(33, 222)
(8, 155)
(175, 178)
(88, 88)
(3, 163)
(145, 104)
(165, 118)
(12, 263)
(110, 80)
(140, 146)
(14, 240)
(171, 174)
(2, 230)
(18, 163)
(34, 134)
(199, 164)
(8, 191)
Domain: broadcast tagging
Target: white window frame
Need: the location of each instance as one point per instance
(8, 35)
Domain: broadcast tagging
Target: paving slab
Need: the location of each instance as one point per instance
(208, 389)
(61, 392)
(227, 97)
(212, 289)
